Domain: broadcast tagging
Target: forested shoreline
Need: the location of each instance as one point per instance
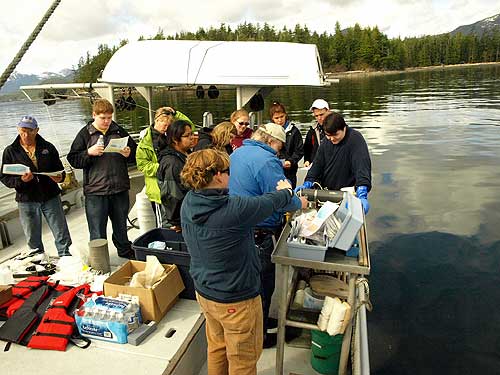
(354, 48)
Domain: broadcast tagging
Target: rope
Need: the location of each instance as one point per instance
(366, 300)
(6, 74)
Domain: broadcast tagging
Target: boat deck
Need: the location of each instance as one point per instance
(156, 355)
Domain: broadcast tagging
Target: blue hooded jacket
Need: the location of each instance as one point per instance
(217, 229)
(255, 170)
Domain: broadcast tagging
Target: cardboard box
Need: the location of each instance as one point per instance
(5, 293)
(155, 302)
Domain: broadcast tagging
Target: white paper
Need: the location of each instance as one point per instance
(51, 174)
(310, 227)
(15, 169)
(116, 144)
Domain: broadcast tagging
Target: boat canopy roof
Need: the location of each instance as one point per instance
(190, 62)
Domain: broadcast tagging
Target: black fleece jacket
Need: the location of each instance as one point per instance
(169, 180)
(41, 188)
(292, 151)
(106, 174)
(344, 164)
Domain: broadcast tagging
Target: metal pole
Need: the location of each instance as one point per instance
(280, 344)
(346, 342)
(363, 330)
(6, 74)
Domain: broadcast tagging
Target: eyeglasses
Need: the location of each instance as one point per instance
(243, 123)
(225, 171)
(187, 135)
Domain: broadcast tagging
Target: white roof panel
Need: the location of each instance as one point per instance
(186, 62)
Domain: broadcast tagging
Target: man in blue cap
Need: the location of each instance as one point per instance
(36, 193)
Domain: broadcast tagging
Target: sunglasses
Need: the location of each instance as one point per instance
(244, 123)
(225, 171)
(164, 113)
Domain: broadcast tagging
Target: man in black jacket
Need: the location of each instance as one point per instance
(342, 160)
(37, 193)
(105, 175)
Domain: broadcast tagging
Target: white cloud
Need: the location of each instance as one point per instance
(79, 26)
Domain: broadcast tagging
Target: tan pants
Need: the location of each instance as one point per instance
(234, 336)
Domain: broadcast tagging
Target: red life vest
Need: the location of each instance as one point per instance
(23, 290)
(20, 292)
(58, 323)
(24, 319)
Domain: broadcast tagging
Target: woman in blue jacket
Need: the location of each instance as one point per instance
(218, 231)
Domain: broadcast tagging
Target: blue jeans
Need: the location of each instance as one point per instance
(265, 245)
(30, 214)
(115, 206)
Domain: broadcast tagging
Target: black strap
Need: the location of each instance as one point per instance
(30, 287)
(56, 307)
(52, 335)
(77, 337)
(58, 321)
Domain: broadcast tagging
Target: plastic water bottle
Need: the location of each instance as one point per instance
(100, 141)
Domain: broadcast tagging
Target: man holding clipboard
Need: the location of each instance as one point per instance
(36, 186)
(103, 149)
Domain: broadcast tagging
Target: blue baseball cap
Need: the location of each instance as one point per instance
(28, 122)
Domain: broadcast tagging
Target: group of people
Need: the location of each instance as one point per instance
(227, 195)
(105, 180)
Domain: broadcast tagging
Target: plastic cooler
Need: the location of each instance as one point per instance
(176, 253)
(325, 352)
(350, 215)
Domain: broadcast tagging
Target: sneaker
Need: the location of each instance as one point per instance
(272, 325)
(269, 340)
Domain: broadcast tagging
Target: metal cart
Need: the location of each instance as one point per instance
(354, 267)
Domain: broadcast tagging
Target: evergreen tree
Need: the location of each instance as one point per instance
(352, 48)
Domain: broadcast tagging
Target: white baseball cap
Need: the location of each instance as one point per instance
(319, 104)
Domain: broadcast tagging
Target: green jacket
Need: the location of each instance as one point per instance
(147, 161)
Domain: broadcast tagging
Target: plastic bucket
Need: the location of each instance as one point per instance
(325, 352)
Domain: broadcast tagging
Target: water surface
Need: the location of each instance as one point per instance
(433, 225)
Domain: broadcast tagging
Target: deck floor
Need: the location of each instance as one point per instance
(151, 357)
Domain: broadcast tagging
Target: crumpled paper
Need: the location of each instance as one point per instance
(153, 272)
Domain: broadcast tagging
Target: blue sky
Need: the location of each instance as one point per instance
(79, 26)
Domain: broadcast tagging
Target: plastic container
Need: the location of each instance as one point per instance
(175, 253)
(305, 251)
(312, 301)
(325, 352)
(350, 214)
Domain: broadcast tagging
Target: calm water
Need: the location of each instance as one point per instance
(433, 225)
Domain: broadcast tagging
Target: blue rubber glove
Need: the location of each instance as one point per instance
(362, 194)
(305, 185)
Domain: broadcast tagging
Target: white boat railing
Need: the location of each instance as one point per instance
(361, 361)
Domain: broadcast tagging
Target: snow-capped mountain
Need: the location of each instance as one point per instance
(480, 27)
(17, 79)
